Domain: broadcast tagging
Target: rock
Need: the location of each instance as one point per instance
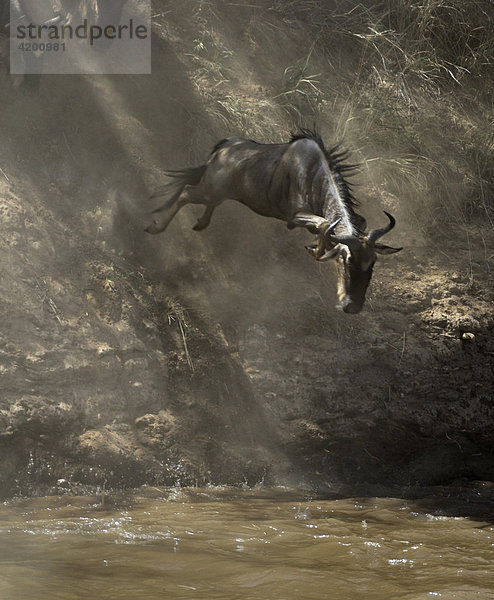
(153, 429)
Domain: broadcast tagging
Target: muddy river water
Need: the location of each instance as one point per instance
(223, 544)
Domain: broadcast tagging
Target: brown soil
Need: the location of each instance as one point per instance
(214, 357)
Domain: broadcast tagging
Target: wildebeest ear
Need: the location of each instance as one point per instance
(382, 249)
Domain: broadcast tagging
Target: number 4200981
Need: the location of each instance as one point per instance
(42, 47)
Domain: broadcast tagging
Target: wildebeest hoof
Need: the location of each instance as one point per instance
(200, 225)
(152, 228)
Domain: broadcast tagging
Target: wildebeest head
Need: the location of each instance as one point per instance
(355, 258)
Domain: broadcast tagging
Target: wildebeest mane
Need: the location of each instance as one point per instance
(337, 161)
(336, 158)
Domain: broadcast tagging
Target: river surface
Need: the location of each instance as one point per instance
(224, 544)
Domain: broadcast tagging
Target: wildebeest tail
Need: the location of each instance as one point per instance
(178, 180)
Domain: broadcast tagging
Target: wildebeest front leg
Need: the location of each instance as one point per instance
(315, 224)
(317, 250)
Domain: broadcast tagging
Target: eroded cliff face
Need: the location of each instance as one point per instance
(105, 378)
(215, 357)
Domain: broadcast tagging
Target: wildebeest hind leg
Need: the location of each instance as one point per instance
(189, 195)
(204, 221)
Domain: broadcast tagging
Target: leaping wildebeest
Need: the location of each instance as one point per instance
(301, 183)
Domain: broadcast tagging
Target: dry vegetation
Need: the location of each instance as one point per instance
(406, 85)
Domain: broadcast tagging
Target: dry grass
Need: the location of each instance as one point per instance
(177, 315)
(418, 78)
(405, 84)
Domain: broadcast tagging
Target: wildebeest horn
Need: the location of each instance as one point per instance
(329, 230)
(348, 240)
(375, 234)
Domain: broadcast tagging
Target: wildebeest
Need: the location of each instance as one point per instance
(299, 182)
